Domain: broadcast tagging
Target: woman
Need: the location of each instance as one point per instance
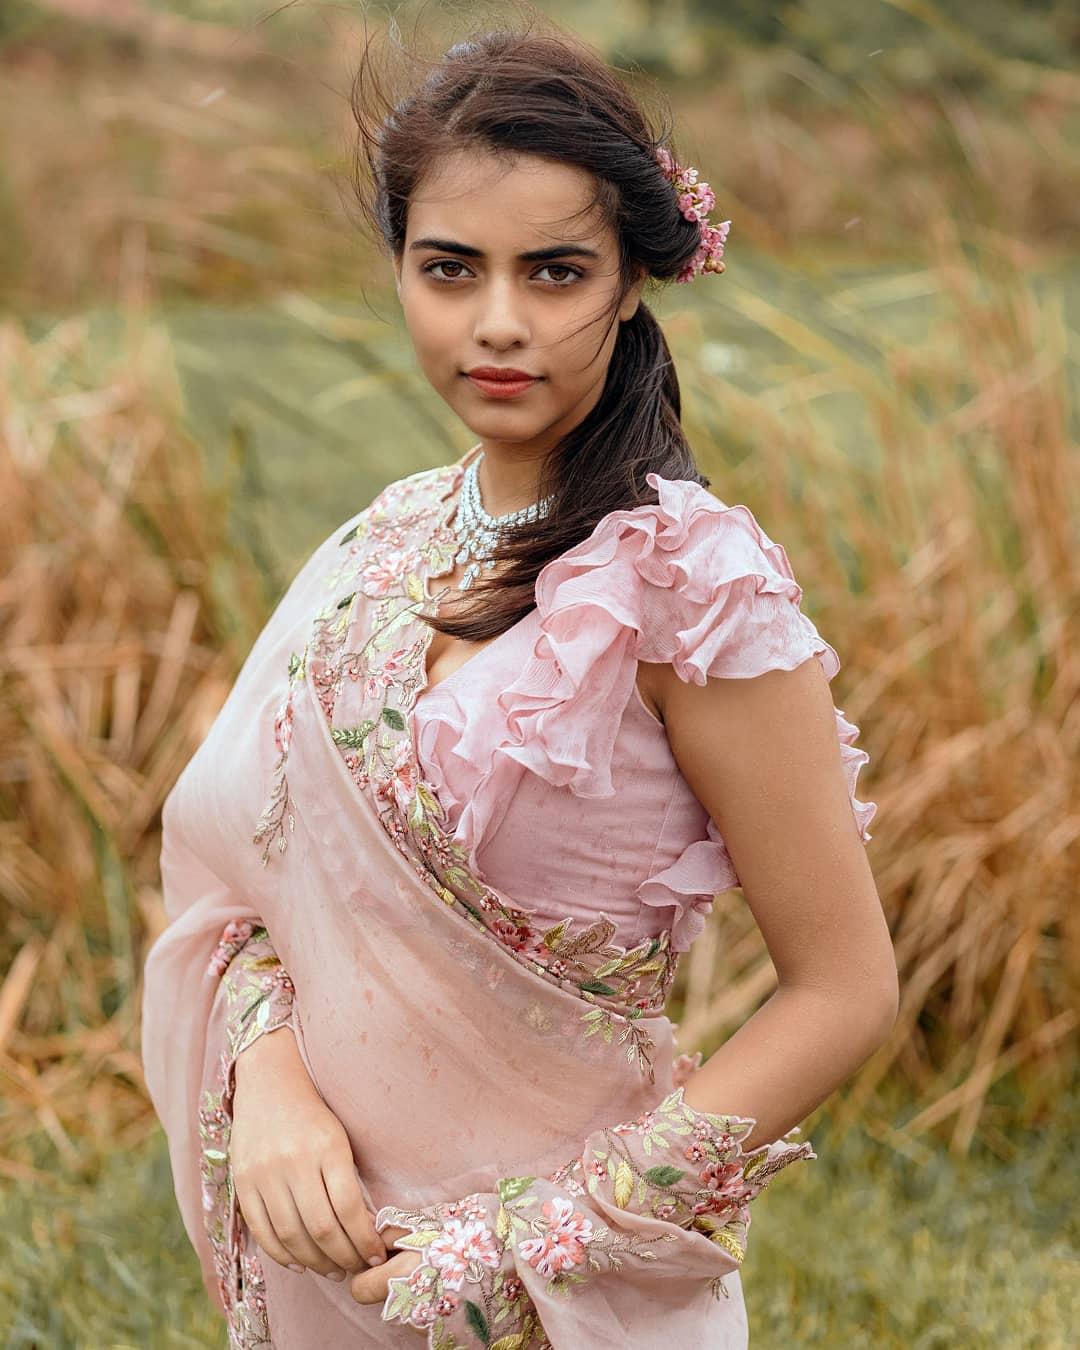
(512, 727)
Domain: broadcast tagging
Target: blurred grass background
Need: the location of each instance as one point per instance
(202, 370)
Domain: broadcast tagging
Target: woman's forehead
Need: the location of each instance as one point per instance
(506, 204)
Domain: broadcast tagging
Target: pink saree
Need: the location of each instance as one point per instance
(517, 1106)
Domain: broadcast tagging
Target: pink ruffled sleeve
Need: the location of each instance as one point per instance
(688, 581)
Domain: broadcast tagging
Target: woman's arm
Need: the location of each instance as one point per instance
(275, 1143)
(762, 756)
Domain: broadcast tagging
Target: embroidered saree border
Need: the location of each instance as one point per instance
(395, 545)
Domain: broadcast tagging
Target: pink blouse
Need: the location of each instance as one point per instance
(555, 776)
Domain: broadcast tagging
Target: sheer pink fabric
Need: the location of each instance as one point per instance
(460, 1039)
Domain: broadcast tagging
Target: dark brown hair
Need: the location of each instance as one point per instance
(535, 89)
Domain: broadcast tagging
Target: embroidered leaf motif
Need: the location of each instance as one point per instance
(353, 737)
(502, 1224)
(729, 1244)
(460, 877)
(597, 987)
(624, 1184)
(349, 534)
(477, 1321)
(554, 936)
(649, 967)
(295, 662)
(401, 1300)
(414, 587)
(515, 1342)
(393, 718)
(511, 1187)
(754, 1166)
(419, 1240)
(664, 1175)
(345, 600)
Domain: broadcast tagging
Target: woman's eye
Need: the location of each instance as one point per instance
(570, 273)
(443, 262)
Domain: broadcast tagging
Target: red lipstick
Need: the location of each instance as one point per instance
(501, 381)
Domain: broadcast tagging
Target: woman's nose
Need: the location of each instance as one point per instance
(501, 315)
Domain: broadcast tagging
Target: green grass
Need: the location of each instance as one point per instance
(871, 1247)
(862, 1247)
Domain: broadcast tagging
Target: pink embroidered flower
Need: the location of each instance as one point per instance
(400, 783)
(726, 1182)
(391, 670)
(233, 937)
(683, 1067)
(457, 1245)
(665, 1211)
(421, 1278)
(598, 1168)
(238, 930)
(518, 937)
(513, 1289)
(446, 1303)
(422, 1314)
(378, 577)
(283, 724)
(563, 1246)
(695, 1153)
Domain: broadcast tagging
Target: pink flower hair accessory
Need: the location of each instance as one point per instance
(696, 200)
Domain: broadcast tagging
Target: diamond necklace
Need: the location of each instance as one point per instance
(476, 532)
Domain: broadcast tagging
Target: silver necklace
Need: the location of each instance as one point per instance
(476, 532)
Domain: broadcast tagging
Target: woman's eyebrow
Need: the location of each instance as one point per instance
(533, 255)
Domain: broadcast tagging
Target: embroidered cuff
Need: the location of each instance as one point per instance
(492, 1261)
(256, 986)
(254, 996)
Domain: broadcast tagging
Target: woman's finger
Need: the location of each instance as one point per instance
(292, 1230)
(347, 1198)
(255, 1215)
(371, 1286)
(320, 1219)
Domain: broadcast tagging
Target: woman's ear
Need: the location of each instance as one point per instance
(632, 298)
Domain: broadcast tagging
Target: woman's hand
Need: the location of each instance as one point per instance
(372, 1286)
(293, 1167)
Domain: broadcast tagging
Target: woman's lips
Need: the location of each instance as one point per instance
(502, 388)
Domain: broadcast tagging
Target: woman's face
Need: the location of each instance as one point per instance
(471, 299)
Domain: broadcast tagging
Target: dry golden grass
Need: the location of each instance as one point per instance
(945, 560)
(942, 560)
(961, 663)
(122, 621)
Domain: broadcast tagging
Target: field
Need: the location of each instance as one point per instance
(202, 371)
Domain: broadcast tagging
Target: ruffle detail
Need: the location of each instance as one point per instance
(688, 581)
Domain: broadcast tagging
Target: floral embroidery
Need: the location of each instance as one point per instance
(642, 1165)
(259, 997)
(378, 592)
(673, 1163)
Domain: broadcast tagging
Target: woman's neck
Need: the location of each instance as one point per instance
(507, 481)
